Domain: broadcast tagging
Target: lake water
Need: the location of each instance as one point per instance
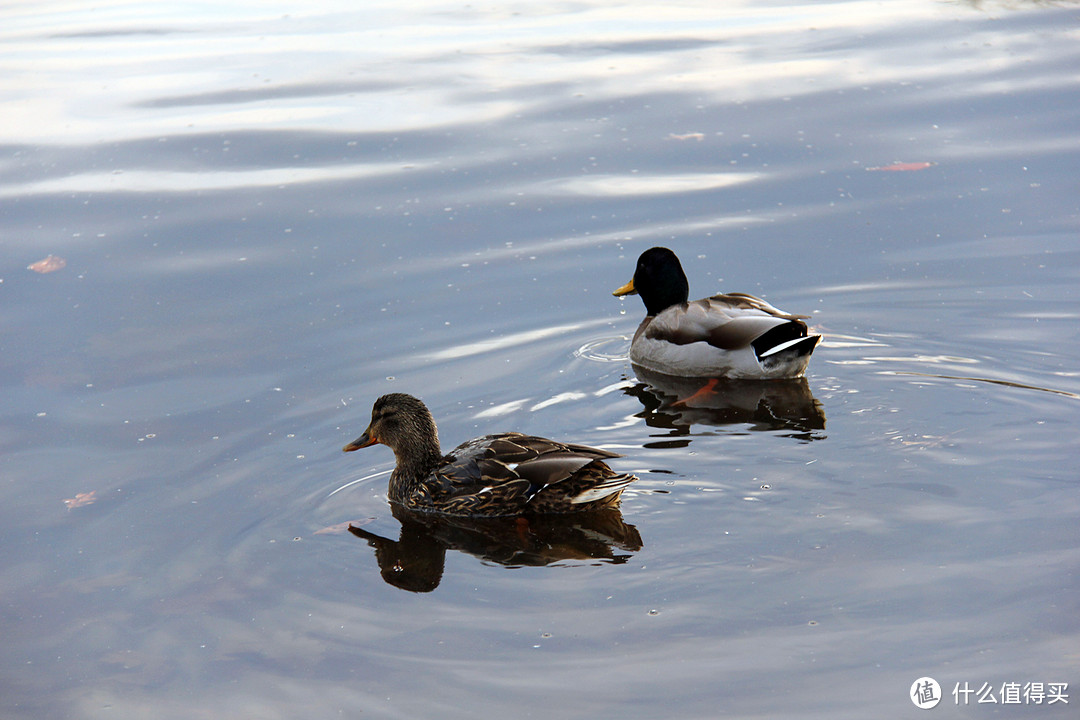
(269, 214)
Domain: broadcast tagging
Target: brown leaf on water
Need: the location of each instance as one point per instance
(340, 528)
(81, 499)
(48, 265)
(902, 167)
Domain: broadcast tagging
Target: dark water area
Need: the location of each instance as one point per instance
(269, 215)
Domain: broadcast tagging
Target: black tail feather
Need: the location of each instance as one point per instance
(782, 334)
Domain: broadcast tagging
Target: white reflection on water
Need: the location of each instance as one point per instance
(358, 480)
(145, 181)
(503, 342)
(925, 359)
(71, 73)
(557, 399)
(990, 381)
(506, 408)
(644, 184)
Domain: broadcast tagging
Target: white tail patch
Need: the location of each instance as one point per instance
(781, 347)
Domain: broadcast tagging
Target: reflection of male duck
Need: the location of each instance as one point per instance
(415, 560)
(676, 403)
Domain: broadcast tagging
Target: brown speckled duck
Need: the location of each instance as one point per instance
(495, 475)
(734, 335)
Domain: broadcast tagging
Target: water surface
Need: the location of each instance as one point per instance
(272, 214)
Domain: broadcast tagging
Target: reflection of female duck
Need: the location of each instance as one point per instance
(674, 402)
(492, 476)
(416, 559)
(734, 335)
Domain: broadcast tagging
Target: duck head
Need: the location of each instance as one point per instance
(659, 280)
(401, 422)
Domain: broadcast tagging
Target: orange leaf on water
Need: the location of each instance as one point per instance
(340, 528)
(901, 167)
(48, 265)
(80, 499)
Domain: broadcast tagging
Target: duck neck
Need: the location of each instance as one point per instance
(668, 292)
(413, 467)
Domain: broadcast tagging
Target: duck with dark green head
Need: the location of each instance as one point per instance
(732, 335)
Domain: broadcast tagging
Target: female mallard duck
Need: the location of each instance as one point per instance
(495, 475)
(734, 335)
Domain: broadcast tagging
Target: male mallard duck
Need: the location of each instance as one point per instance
(734, 335)
(495, 475)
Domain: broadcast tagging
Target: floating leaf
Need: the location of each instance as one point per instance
(340, 528)
(81, 499)
(902, 167)
(48, 265)
(687, 136)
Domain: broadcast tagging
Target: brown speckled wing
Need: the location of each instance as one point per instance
(552, 467)
(511, 473)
